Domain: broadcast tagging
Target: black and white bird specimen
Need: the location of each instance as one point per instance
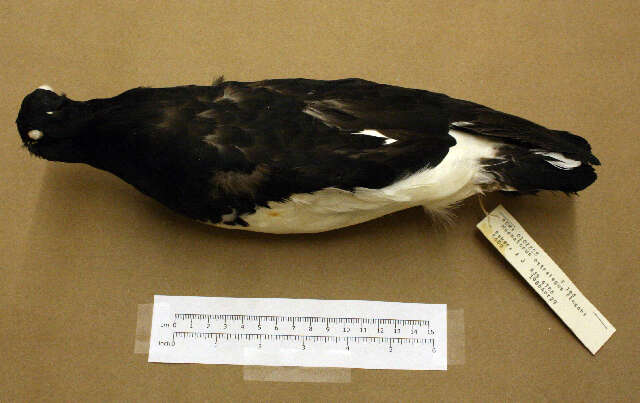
(298, 155)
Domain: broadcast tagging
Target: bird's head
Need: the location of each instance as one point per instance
(51, 126)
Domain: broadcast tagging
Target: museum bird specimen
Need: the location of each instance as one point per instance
(298, 155)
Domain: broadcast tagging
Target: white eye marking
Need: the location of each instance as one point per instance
(50, 113)
(45, 87)
(35, 134)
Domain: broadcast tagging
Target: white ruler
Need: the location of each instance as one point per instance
(299, 332)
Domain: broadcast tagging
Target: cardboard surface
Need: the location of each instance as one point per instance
(80, 249)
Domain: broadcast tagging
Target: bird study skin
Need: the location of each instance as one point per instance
(300, 155)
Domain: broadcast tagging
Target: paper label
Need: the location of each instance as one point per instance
(299, 332)
(546, 278)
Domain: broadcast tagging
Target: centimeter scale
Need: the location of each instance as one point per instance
(298, 332)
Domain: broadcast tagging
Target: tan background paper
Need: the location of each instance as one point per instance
(80, 249)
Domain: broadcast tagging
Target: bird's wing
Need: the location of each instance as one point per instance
(298, 136)
(392, 107)
(422, 121)
(513, 130)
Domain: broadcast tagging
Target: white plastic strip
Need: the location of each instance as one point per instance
(546, 278)
(299, 332)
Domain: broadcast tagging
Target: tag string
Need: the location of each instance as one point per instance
(484, 210)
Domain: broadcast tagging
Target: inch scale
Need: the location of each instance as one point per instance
(299, 333)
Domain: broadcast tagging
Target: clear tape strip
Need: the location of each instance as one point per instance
(455, 337)
(143, 329)
(296, 374)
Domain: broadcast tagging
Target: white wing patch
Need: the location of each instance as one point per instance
(313, 111)
(558, 160)
(461, 124)
(375, 133)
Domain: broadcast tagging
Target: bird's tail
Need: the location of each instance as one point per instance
(529, 169)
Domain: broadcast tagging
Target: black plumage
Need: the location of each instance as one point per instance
(217, 153)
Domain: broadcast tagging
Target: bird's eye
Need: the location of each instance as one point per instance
(35, 134)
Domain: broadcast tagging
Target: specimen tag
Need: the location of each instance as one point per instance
(546, 277)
